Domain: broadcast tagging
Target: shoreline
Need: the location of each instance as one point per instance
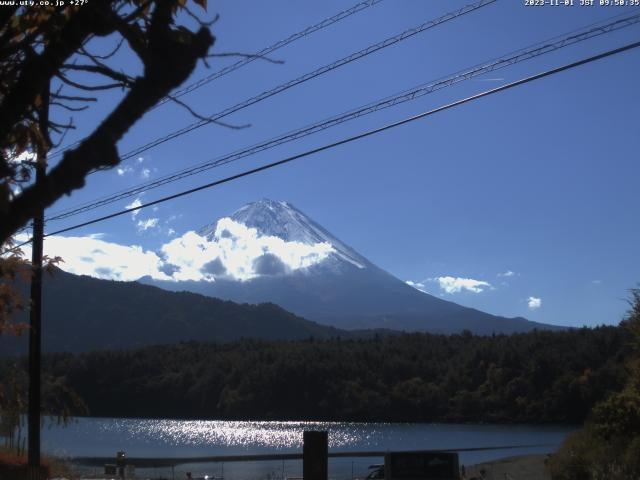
(313, 420)
(522, 467)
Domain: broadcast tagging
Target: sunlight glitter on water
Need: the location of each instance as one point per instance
(273, 435)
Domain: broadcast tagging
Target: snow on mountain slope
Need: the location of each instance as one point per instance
(283, 220)
(341, 288)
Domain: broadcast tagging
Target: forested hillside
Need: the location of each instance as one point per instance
(83, 313)
(532, 377)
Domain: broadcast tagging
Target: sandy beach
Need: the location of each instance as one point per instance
(523, 467)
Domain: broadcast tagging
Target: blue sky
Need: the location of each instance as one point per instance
(539, 181)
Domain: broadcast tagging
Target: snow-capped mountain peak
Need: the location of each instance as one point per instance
(269, 251)
(281, 219)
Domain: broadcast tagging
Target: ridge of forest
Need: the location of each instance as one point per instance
(82, 313)
(535, 377)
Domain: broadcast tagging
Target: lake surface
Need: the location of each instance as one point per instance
(183, 438)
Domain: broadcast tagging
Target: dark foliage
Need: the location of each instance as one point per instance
(83, 313)
(46, 59)
(530, 377)
(609, 445)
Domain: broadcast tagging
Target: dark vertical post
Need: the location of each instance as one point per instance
(315, 455)
(35, 315)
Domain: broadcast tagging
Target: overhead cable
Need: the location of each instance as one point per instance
(350, 139)
(264, 53)
(309, 76)
(406, 96)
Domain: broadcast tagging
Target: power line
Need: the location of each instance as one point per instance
(527, 53)
(353, 138)
(310, 75)
(269, 50)
(261, 54)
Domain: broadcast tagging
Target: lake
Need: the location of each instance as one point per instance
(185, 438)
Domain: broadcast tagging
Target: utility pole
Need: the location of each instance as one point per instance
(35, 318)
(315, 455)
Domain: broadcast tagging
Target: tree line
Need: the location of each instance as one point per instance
(536, 377)
(608, 446)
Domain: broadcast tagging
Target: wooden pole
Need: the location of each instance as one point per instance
(315, 455)
(35, 313)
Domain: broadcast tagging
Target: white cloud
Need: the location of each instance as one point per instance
(136, 167)
(101, 259)
(136, 203)
(534, 303)
(142, 225)
(457, 284)
(238, 252)
(22, 237)
(597, 282)
(124, 170)
(25, 156)
(234, 251)
(508, 273)
(417, 285)
(146, 224)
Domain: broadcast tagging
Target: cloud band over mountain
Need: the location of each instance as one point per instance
(233, 252)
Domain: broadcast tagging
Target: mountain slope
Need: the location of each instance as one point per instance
(345, 289)
(83, 313)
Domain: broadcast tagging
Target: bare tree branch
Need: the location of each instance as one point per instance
(94, 56)
(68, 108)
(169, 56)
(62, 137)
(205, 118)
(202, 23)
(101, 70)
(133, 15)
(89, 88)
(38, 69)
(134, 37)
(74, 98)
(67, 126)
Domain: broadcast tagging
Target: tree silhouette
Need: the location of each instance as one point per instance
(47, 59)
(48, 45)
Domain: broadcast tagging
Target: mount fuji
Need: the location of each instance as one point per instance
(328, 282)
